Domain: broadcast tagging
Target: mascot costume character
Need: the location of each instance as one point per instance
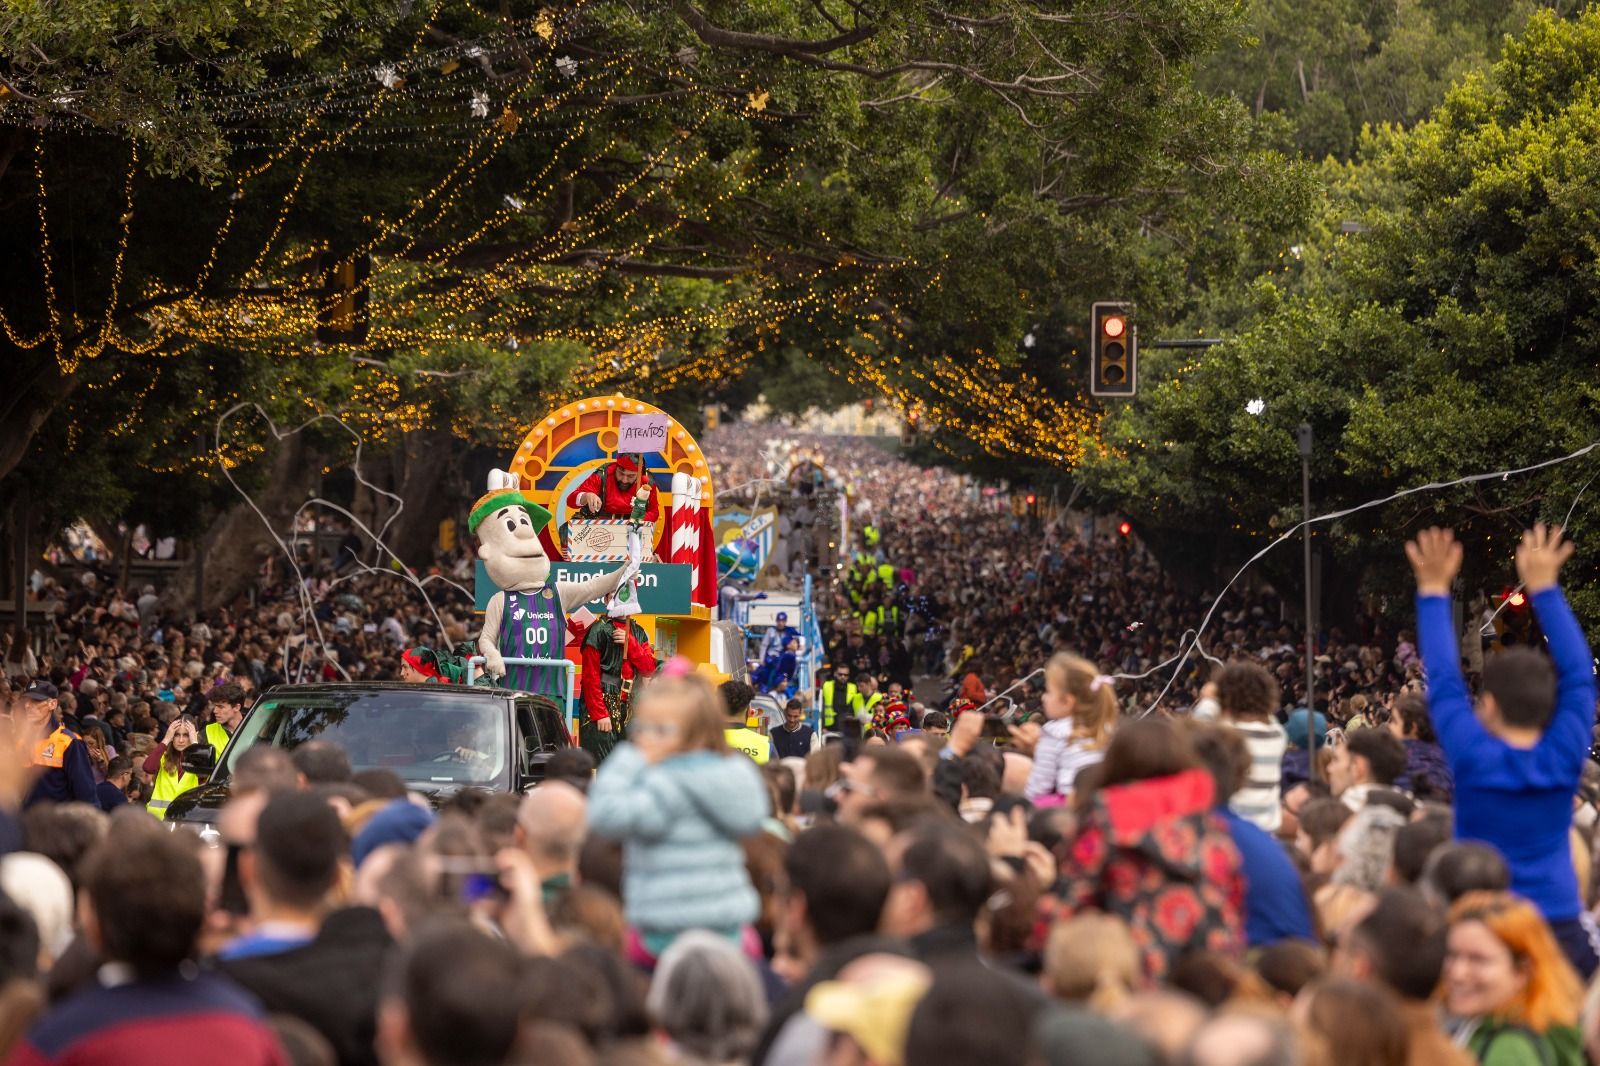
(527, 617)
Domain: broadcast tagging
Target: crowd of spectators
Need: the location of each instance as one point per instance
(1400, 876)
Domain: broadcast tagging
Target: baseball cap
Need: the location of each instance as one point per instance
(875, 1014)
(41, 691)
(783, 616)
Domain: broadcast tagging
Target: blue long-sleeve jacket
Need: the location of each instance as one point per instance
(1519, 800)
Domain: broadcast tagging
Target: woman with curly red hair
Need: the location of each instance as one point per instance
(1505, 974)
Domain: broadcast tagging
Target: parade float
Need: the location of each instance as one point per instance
(589, 474)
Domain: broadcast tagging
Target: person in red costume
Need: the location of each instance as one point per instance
(616, 652)
(609, 491)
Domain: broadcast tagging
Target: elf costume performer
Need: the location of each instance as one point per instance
(420, 665)
(610, 491)
(527, 617)
(616, 653)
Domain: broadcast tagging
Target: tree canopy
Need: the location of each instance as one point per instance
(1451, 334)
(562, 197)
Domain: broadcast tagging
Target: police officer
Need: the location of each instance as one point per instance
(58, 754)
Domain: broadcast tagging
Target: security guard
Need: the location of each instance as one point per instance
(58, 754)
(838, 694)
(867, 701)
(227, 707)
(741, 737)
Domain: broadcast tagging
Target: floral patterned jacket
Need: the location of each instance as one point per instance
(1156, 855)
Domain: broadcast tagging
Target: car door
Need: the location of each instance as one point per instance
(541, 732)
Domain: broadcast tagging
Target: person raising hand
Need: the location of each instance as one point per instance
(1518, 753)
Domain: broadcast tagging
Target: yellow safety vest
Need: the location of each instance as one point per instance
(168, 787)
(217, 736)
(850, 699)
(751, 743)
(865, 704)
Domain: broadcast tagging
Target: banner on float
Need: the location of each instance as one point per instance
(663, 587)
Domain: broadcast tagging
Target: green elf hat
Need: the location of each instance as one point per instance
(495, 499)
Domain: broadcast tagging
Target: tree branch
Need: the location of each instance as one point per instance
(719, 37)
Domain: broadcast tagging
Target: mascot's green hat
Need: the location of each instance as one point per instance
(494, 500)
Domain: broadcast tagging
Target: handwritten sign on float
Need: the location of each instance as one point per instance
(642, 433)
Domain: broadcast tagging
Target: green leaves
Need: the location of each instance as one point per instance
(1454, 335)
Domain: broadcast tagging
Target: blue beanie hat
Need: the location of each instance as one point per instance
(1300, 722)
(401, 822)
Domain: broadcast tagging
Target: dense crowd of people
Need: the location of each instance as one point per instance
(995, 834)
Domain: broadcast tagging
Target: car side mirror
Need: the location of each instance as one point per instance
(200, 759)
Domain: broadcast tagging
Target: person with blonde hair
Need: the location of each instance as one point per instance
(1092, 961)
(1080, 710)
(679, 802)
(1507, 977)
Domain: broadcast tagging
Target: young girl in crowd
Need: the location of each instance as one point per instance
(680, 802)
(1507, 979)
(1080, 710)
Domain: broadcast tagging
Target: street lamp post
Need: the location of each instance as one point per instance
(1303, 439)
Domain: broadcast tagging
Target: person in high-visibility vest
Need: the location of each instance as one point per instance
(868, 697)
(838, 695)
(737, 730)
(227, 707)
(56, 753)
(164, 764)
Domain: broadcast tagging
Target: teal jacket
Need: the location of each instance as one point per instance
(680, 821)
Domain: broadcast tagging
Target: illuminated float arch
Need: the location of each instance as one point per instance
(576, 439)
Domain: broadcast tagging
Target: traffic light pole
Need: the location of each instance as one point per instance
(1303, 439)
(1186, 342)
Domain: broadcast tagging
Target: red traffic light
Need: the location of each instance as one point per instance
(1114, 326)
(1125, 528)
(1031, 499)
(1515, 598)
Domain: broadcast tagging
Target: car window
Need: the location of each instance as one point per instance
(425, 738)
(542, 725)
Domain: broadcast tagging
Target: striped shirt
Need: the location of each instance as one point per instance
(534, 626)
(1258, 800)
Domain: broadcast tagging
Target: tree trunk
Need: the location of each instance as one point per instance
(428, 481)
(237, 542)
(31, 394)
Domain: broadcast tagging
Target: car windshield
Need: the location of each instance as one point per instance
(423, 737)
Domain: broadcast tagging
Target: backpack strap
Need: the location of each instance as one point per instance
(1540, 1044)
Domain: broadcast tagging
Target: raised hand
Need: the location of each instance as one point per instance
(1540, 557)
(1435, 559)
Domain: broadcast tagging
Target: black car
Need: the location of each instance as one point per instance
(438, 738)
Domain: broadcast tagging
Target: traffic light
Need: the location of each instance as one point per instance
(342, 316)
(1032, 499)
(1114, 351)
(1125, 528)
(711, 414)
(908, 428)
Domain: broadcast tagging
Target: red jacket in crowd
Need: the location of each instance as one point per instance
(1156, 855)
